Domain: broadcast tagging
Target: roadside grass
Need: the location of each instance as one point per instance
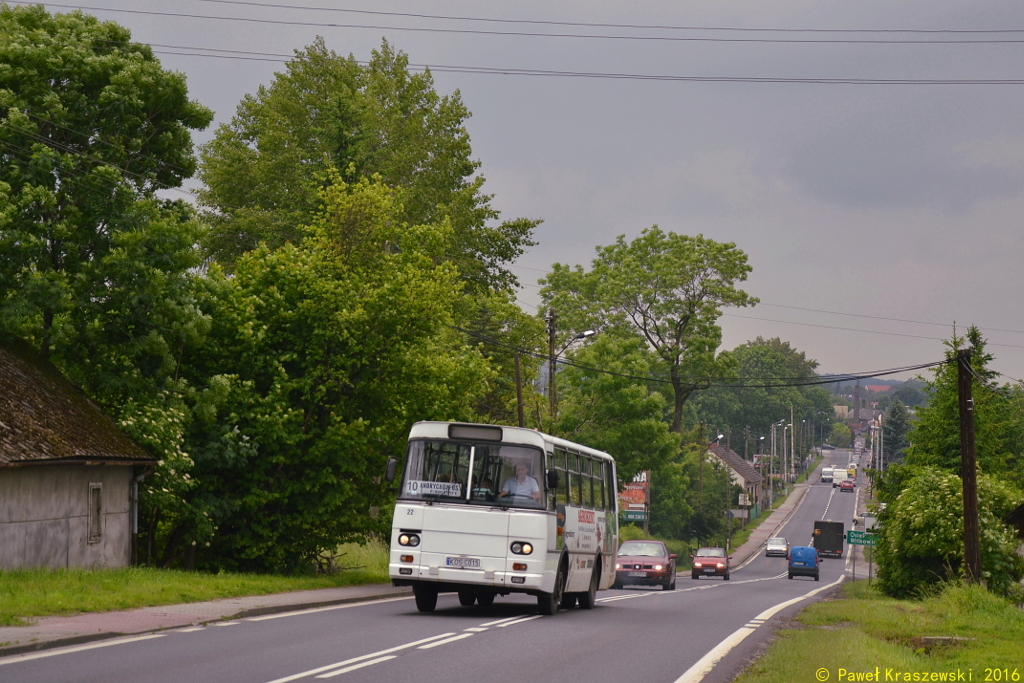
(26, 594)
(861, 629)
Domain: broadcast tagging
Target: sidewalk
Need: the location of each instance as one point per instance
(49, 632)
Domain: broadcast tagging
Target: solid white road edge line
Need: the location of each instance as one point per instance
(706, 663)
(321, 669)
(13, 659)
(357, 666)
(313, 610)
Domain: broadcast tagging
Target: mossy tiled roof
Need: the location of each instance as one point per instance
(46, 419)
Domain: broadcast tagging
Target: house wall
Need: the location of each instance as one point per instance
(44, 516)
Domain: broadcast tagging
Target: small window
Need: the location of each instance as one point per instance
(95, 512)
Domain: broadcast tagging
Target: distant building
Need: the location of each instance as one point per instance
(68, 477)
(878, 388)
(842, 412)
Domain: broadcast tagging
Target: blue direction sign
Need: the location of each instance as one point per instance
(860, 538)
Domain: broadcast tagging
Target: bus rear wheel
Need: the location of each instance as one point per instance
(467, 598)
(589, 599)
(426, 597)
(485, 599)
(548, 603)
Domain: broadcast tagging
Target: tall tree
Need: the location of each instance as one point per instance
(665, 288)
(264, 168)
(90, 124)
(895, 428)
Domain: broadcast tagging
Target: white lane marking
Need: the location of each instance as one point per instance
(79, 648)
(314, 610)
(475, 629)
(706, 663)
(519, 621)
(321, 669)
(357, 666)
(190, 630)
(499, 621)
(445, 641)
(226, 623)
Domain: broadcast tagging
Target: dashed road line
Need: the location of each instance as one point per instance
(314, 610)
(445, 641)
(372, 655)
(519, 621)
(357, 666)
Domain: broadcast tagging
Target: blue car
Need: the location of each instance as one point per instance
(804, 561)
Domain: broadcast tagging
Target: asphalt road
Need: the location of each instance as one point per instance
(645, 635)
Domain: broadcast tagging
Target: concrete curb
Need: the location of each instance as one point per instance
(82, 638)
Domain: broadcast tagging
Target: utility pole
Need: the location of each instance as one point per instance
(968, 469)
(519, 392)
(746, 443)
(552, 396)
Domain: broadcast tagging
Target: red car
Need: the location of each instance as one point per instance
(646, 563)
(710, 562)
(847, 485)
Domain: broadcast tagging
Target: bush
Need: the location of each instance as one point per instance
(921, 541)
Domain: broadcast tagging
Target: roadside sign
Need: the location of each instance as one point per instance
(634, 515)
(860, 538)
(744, 499)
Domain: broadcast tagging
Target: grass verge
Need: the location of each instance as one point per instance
(850, 636)
(25, 594)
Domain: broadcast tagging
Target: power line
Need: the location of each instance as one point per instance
(854, 329)
(609, 25)
(720, 382)
(483, 32)
(878, 317)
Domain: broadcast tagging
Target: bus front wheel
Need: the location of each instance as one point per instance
(467, 598)
(549, 602)
(426, 597)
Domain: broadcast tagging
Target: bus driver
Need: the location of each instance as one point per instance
(520, 485)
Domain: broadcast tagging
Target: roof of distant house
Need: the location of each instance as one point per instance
(878, 388)
(737, 463)
(46, 419)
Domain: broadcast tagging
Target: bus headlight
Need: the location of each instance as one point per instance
(412, 540)
(521, 548)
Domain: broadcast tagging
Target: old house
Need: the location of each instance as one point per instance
(741, 473)
(68, 477)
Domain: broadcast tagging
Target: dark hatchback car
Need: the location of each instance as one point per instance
(804, 561)
(710, 562)
(645, 563)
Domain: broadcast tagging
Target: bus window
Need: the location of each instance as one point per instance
(599, 499)
(574, 480)
(586, 482)
(561, 494)
(610, 485)
(435, 469)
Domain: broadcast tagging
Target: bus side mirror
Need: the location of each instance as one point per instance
(552, 476)
(389, 473)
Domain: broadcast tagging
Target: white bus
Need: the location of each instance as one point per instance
(485, 510)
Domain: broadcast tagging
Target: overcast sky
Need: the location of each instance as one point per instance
(895, 201)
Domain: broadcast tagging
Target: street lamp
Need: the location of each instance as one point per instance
(552, 356)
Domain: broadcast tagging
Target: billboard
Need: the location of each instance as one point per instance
(635, 496)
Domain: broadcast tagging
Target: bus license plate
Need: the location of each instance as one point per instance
(640, 574)
(463, 562)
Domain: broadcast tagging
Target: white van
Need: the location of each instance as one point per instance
(839, 475)
(826, 474)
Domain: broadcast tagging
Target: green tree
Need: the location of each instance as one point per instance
(895, 428)
(90, 124)
(321, 356)
(840, 435)
(264, 169)
(921, 538)
(666, 289)
(998, 418)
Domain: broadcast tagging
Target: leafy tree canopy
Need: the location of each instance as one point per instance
(263, 170)
(89, 124)
(668, 290)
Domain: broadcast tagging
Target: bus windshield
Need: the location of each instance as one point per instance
(481, 473)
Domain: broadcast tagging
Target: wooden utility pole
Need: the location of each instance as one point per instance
(968, 468)
(552, 396)
(519, 392)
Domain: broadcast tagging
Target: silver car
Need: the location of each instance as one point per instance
(777, 546)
